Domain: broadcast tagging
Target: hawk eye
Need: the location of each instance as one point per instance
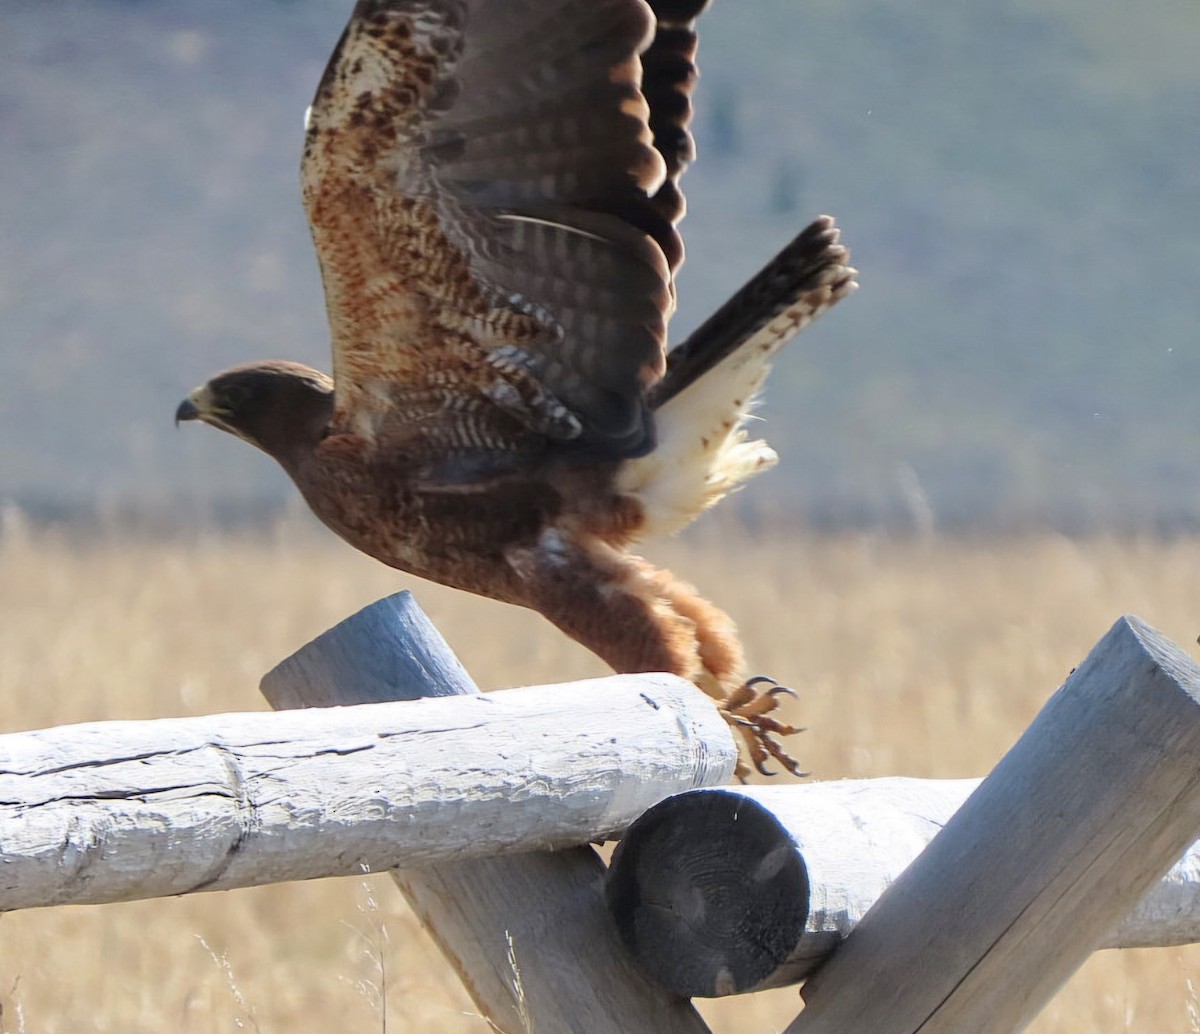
(236, 395)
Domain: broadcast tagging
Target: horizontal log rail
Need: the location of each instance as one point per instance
(819, 856)
(118, 810)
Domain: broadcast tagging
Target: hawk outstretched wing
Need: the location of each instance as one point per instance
(493, 193)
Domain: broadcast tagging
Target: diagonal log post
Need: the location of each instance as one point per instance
(528, 935)
(1079, 819)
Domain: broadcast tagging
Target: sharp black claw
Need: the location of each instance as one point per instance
(775, 689)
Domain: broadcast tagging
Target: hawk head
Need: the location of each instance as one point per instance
(283, 408)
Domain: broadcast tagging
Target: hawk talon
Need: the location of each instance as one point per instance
(748, 711)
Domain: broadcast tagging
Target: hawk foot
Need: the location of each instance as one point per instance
(748, 710)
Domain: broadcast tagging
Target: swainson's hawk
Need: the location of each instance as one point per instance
(493, 192)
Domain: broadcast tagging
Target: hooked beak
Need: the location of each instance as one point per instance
(187, 411)
(194, 407)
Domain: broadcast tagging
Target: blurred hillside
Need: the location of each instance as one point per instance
(1019, 182)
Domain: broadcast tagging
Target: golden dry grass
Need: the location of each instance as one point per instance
(914, 658)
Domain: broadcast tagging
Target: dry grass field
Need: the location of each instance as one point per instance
(916, 658)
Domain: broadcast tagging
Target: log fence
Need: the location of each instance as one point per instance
(902, 905)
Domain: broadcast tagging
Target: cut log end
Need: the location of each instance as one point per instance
(387, 651)
(709, 894)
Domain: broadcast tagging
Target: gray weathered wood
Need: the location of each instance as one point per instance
(544, 912)
(1169, 914)
(1075, 824)
(728, 890)
(94, 813)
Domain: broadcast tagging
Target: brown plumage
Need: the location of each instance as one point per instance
(493, 189)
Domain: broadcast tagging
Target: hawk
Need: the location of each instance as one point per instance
(493, 191)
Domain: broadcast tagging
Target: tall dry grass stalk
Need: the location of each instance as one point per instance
(911, 658)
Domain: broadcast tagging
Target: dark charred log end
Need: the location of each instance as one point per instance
(709, 894)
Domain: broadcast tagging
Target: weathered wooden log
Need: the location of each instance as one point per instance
(735, 889)
(528, 935)
(1074, 825)
(94, 813)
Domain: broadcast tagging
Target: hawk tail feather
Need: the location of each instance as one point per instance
(808, 276)
(703, 403)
